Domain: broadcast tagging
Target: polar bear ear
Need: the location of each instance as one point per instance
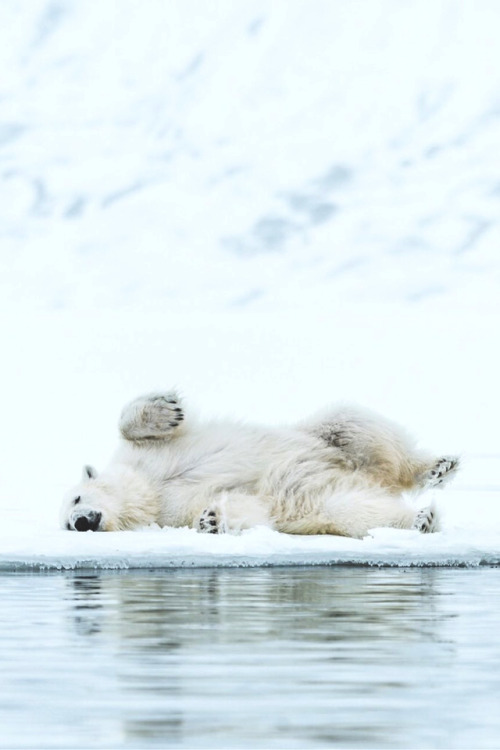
(89, 473)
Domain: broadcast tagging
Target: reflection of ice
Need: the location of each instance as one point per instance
(277, 658)
(194, 645)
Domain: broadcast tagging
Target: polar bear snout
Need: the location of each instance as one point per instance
(90, 521)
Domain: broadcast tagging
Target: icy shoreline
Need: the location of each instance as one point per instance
(56, 566)
(260, 547)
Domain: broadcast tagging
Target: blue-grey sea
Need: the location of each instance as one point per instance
(326, 657)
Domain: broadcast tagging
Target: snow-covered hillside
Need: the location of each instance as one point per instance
(192, 155)
(272, 205)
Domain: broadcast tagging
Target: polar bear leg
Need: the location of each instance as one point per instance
(155, 416)
(439, 472)
(352, 512)
(233, 512)
(366, 442)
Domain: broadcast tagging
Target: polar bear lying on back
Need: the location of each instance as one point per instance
(342, 472)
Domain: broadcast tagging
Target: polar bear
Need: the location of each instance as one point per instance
(342, 472)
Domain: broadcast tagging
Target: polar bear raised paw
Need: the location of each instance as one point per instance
(152, 417)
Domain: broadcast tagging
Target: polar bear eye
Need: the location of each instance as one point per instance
(77, 499)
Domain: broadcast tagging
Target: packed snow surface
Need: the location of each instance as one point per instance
(180, 548)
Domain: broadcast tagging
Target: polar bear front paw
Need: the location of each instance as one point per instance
(210, 522)
(152, 417)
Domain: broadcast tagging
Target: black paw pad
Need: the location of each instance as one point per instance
(208, 522)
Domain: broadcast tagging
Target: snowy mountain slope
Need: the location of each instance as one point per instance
(208, 156)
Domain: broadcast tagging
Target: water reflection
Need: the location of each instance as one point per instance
(200, 647)
(278, 658)
(178, 606)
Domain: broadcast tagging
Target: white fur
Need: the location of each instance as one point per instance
(343, 472)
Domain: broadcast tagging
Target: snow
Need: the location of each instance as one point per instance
(271, 206)
(184, 548)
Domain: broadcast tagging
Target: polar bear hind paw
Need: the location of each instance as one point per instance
(426, 520)
(442, 471)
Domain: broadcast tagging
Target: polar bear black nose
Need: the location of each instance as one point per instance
(90, 522)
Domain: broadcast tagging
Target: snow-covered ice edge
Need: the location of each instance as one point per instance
(260, 547)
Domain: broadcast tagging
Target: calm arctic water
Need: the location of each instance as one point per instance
(262, 658)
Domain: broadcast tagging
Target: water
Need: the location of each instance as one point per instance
(261, 658)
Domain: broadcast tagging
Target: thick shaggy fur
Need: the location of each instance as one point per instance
(343, 472)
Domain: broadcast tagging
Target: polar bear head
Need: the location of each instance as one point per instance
(91, 505)
(120, 498)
